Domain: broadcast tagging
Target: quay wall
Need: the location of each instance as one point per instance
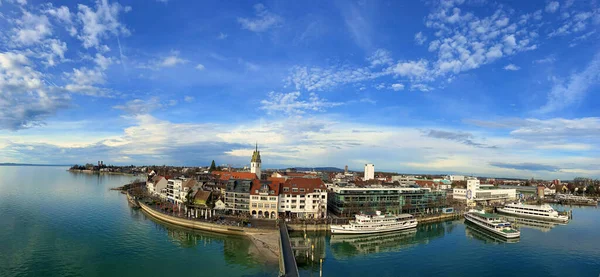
(194, 224)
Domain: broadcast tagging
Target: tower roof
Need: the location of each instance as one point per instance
(256, 156)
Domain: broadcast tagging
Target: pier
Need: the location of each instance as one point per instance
(287, 260)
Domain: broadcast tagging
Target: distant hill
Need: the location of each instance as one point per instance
(329, 169)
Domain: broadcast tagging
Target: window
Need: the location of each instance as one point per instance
(293, 206)
(260, 205)
(286, 189)
(301, 189)
(301, 207)
(302, 195)
(253, 205)
(294, 201)
(255, 197)
(272, 198)
(263, 198)
(301, 201)
(283, 206)
(273, 206)
(294, 189)
(323, 196)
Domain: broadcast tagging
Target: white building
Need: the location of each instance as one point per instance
(404, 180)
(453, 178)
(157, 185)
(303, 198)
(174, 187)
(369, 172)
(475, 192)
(255, 163)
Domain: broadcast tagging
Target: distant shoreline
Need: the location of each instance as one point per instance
(87, 171)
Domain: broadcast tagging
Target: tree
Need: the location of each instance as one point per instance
(213, 167)
(591, 190)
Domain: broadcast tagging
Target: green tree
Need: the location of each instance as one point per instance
(591, 190)
(213, 167)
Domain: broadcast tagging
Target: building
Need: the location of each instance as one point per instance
(264, 199)
(255, 163)
(349, 200)
(454, 178)
(405, 180)
(303, 198)
(226, 175)
(237, 196)
(369, 172)
(156, 185)
(187, 186)
(173, 190)
(483, 194)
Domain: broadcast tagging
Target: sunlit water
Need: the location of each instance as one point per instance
(57, 223)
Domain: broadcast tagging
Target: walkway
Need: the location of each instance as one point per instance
(288, 258)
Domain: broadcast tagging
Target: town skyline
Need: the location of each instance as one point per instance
(501, 89)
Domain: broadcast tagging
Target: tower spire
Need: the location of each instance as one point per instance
(257, 146)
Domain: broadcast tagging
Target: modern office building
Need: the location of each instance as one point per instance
(346, 201)
(237, 196)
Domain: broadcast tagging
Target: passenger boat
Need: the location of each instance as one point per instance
(473, 231)
(544, 212)
(492, 223)
(375, 223)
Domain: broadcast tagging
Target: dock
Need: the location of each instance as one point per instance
(287, 261)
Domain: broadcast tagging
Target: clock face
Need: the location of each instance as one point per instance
(469, 194)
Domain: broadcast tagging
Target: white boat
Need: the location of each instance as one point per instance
(375, 223)
(492, 223)
(544, 212)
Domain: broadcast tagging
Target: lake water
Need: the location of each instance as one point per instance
(57, 223)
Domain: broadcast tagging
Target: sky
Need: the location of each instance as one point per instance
(489, 88)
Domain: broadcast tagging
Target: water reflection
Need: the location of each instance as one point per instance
(544, 226)
(476, 232)
(348, 246)
(236, 249)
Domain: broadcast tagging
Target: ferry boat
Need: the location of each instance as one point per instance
(544, 212)
(375, 223)
(492, 223)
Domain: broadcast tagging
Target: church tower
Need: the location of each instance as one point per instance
(255, 162)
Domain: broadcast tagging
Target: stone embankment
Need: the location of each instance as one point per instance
(266, 241)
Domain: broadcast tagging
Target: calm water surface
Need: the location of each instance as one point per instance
(57, 223)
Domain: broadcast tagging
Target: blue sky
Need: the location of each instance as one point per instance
(474, 87)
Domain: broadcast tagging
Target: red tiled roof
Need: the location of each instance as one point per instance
(225, 175)
(308, 184)
(257, 185)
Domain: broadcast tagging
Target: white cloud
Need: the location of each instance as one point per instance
(222, 36)
(380, 57)
(31, 29)
(421, 87)
(573, 90)
(54, 52)
(420, 38)
(100, 23)
(171, 61)
(397, 87)
(188, 99)
(552, 6)
(140, 106)
(26, 100)
(103, 62)
(511, 67)
(200, 66)
(412, 69)
(291, 104)
(263, 21)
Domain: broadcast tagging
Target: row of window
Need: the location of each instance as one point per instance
(264, 198)
(260, 205)
(301, 207)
